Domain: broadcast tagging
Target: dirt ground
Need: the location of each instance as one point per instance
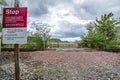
(74, 56)
(63, 64)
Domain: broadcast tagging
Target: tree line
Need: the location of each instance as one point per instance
(103, 33)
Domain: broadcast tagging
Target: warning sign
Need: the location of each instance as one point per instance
(14, 25)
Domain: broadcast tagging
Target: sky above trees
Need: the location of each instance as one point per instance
(68, 18)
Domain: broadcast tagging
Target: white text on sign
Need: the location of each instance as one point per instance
(10, 11)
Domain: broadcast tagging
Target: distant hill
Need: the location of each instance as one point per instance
(56, 40)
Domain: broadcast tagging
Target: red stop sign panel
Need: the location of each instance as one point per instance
(14, 17)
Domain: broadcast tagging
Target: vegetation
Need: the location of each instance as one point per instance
(3, 2)
(56, 40)
(0, 27)
(102, 34)
(33, 41)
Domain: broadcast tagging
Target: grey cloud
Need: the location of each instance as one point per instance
(89, 9)
(95, 8)
(70, 30)
(38, 8)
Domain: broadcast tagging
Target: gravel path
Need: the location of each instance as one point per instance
(75, 57)
(63, 65)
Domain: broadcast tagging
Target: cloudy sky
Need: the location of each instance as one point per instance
(68, 18)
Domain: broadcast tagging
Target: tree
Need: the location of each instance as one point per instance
(107, 26)
(43, 31)
(3, 2)
(101, 32)
(0, 27)
(93, 39)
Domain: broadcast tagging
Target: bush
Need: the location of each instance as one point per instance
(34, 41)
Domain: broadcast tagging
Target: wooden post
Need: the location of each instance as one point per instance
(16, 53)
(0, 46)
(17, 68)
